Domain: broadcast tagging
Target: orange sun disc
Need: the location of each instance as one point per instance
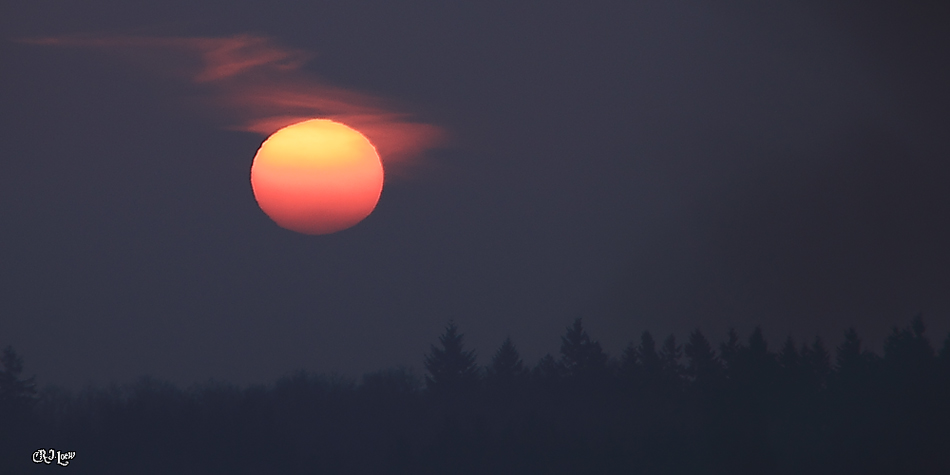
(317, 177)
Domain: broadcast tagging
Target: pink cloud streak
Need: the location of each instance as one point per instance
(260, 87)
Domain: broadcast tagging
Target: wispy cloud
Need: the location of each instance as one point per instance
(251, 83)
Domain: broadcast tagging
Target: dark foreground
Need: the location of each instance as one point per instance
(678, 409)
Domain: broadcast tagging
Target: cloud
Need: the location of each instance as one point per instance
(252, 84)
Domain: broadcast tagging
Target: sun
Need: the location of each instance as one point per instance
(317, 177)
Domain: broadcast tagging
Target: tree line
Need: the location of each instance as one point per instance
(694, 407)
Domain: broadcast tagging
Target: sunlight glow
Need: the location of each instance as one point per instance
(317, 177)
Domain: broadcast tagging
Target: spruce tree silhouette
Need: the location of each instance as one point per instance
(451, 368)
(547, 373)
(703, 365)
(15, 394)
(789, 360)
(758, 348)
(580, 356)
(648, 357)
(850, 363)
(791, 379)
(752, 371)
(17, 399)
(911, 402)
(755, 365)
(944, 356)
(630, 367)
(729, 351)
(907, 353)
(816, 364)
(506, 366)
(670, 354)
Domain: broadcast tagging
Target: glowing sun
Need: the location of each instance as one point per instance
(317, 177)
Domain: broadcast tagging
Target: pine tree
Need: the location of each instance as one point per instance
(547, 371)
(506, 366)
(788, 357)
(816, 363)
(630, 362)
(944, 356)
(450, 367)
(579, 354)
(848, 355)
(907, 351)
(702, 363)
(921, 345)
(670, 354)
(15, 393)
(17, 397)
(758, 348)
(790, 363)
(851, 363)
(754, 364)
(730, 350)
(646, 353)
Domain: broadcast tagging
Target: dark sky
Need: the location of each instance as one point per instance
(662, 165)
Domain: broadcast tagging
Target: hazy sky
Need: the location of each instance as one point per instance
(661, 165)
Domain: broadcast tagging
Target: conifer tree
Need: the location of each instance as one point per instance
(788, 357)
(670, 354)
(848, 355)
(758, 348)
(450, 367)
(15, 393)
(506, 366)
(729, 350)
(630, 362)
(907, 351)
(921, 344)
(790, 364)
(547, 371)
(945, 354)
(702, 363)
(754, 363)
(816, 363)
(579, 354)
(646, 353)
(943, 359)
(851, 363)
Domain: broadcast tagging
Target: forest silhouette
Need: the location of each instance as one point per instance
(659, 408)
